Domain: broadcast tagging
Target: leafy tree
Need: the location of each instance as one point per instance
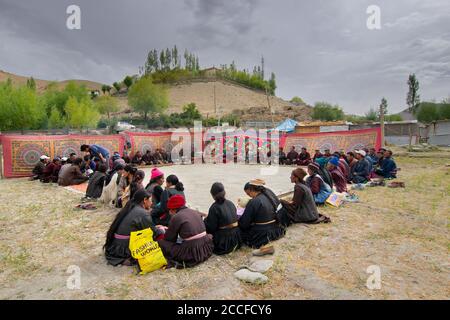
(191, 112)
(262, 68)
(297, 101)
(31, 83)
(20, 108)
(116, 86)
(371, 115)
(106, 105)
(326, 112)
(168, 59)
(384, 107)
(104, 88)
(81, 114)
(430, 111)
(162, 59)
(128, 82)
(197, 64)
(444, 111)
(56, 120)
(427, 112)
(175, 57)
(413, 98)
(55, 98)
(149, 64)
(146, 97)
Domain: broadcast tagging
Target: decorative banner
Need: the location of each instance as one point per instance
(21, 153)
(335, 141)
(150, 141)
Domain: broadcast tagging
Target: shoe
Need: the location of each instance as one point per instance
(396, 184)
(263, 251)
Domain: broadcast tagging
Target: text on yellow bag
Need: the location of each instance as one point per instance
(146, 251)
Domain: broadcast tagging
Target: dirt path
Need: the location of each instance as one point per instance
(403, 231)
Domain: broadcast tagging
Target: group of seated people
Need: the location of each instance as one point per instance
(158, 157)
(188, 237)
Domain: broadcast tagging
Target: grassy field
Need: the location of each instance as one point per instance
(403, 231)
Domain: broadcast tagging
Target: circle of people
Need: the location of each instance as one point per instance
(188, 237)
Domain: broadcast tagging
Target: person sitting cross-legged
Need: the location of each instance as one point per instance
(186, 243)
(388, 167)
(361, 170)
(304, 158)
(319, 188)
(222, 222)
(339, 180)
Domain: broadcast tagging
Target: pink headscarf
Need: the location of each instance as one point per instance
(156, 173)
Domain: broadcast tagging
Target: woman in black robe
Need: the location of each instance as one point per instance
(161, 214)
(259, 224)
(302, 208)
(96, 182)
(222, 222)
(133, 217)
(154, 186)
(186, 243)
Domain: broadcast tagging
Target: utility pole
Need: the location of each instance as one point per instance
(215, 104)
(270, 107)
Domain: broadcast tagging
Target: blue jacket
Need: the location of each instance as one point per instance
(361, 168)
(96, 150)
(388, 168)
(372, 158)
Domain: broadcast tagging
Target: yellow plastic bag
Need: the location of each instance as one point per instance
(146, 251)
(335, 199)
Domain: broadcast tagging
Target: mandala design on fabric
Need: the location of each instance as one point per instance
(31, 156)
(65, 148)
(144, 147)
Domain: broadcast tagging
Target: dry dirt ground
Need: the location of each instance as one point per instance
(403, 231)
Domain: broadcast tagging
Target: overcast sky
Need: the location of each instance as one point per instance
(320, 50)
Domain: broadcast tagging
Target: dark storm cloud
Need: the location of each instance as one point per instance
(220, 24)
(319, 50)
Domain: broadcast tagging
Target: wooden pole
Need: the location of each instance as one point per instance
(215, 102)
(270, 107)
(1, 162)
(410, 136)
(382, 125)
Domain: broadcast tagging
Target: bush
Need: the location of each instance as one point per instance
(393, 117)
(20, 108)
(326, 112)
(428, 112)
(444, 111)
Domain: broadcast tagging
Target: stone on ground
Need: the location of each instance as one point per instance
(261, 266)
(250, 276)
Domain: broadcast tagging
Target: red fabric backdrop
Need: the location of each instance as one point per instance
(335, 141)
(21, 153)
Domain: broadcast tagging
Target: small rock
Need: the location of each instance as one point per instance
(252, 277)
(261, 266)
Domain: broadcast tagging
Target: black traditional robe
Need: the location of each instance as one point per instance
(137, 219)
(261, 209)
(226, 237)
(178, 249)
(95, 186)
